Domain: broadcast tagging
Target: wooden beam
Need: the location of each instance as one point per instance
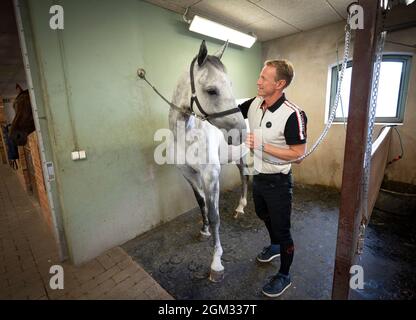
(379, 156)
(400, 17)
(349, 215)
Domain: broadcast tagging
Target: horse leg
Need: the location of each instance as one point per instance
(243, 197)
(195, 180)
(200, 198)
(211, 188)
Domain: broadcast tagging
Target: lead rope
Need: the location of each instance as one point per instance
(369, 144)
(205, 116)
(142, 75)
(333, 108)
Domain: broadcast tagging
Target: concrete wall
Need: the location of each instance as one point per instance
(92, 99)
(312, 53)
(405, 169)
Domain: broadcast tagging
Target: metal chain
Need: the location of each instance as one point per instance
(369, 142)
(332, 110)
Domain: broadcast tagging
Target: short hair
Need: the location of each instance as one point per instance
(284, 70)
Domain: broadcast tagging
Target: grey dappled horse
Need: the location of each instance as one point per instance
(206, 90)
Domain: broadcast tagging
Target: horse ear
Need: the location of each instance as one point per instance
(203, 53)
(18, 88)
(220, 52)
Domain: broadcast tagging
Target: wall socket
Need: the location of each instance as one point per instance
(78, 155)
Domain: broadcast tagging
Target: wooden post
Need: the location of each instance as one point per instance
(361, 80)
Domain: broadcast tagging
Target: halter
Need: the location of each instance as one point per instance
(205, 116)
(194, 98)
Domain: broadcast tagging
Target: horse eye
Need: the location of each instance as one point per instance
(212, 92)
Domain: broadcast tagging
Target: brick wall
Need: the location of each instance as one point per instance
(23, 171)
(32, 183)
(40, 184)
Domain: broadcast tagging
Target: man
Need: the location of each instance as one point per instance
(283, 137)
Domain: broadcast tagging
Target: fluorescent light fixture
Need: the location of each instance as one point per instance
(218, 31)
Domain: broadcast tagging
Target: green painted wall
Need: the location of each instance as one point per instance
(88, 74)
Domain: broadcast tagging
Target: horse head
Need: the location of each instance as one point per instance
(23, 123)
(214, 93)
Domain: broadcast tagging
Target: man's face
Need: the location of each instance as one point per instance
(266, 84)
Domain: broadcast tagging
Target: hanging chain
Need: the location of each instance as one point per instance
(369, 143)
(332, 110)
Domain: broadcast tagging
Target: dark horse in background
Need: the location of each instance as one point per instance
(16, 133)
(22, 124)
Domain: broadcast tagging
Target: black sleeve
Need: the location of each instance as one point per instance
(295, 129)
(245, 106)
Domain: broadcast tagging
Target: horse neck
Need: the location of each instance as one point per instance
(181, 98)
(23, 119)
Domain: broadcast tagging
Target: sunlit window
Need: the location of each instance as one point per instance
(392, 91)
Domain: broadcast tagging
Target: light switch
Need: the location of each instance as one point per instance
(75, 155)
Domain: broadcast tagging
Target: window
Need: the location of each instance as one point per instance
(392, 90)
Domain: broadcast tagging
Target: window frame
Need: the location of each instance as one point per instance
(405, 58)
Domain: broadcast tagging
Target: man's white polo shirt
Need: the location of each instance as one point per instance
(280, 125)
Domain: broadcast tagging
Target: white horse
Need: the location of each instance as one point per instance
(207, 86)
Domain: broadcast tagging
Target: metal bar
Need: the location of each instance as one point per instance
(400, 17)
(402, 44)
(361, 80)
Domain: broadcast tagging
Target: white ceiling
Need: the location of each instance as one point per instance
(267, 19)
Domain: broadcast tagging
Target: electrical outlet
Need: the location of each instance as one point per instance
(75, 155)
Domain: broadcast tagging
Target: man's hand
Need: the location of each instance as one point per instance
(250, 140)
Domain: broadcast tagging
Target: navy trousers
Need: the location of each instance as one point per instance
(272, 195)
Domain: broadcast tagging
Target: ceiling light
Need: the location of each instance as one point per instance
(219, 31)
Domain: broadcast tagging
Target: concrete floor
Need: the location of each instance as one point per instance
(389, 259)
(175, 257)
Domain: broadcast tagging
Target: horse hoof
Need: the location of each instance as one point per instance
(216, 276)
(237, 214)
(204, 236)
